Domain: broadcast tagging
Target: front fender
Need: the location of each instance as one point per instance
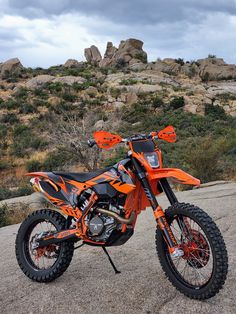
(175, 174)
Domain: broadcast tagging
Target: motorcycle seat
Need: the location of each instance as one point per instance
(81, 176)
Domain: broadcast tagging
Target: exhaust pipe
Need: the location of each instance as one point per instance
(117, 217)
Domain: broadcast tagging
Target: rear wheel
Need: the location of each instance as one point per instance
(47, 263)
(201, 272)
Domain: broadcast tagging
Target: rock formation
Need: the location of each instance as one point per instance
(92, 55)
(128, 53)
(10, 67)
(72, 63)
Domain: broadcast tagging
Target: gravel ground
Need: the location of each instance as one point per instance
(90, 285)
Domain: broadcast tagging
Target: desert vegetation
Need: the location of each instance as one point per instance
(46, 115)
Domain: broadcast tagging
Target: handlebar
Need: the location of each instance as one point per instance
(106, 140)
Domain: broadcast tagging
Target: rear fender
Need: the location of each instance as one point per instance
(176, 175)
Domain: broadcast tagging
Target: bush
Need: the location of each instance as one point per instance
(216, 112)
(10, 104)
(54, 160)
(24, 139)
(27, 108)
(33, 165)
(4, 194)
(55, 87)
(21, 191)
(142, 57)
(157, 102)
(180, 61)
(177, 102)
(9, 216)
(115, 92)
(67, 96)
(10, 118)
(203, 159)
(3, 216)
(128, 81)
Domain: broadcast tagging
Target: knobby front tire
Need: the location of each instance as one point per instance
(203, 245)
(55, 259)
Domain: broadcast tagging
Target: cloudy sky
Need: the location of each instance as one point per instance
(48, 32)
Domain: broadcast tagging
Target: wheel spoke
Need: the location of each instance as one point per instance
(196, 266)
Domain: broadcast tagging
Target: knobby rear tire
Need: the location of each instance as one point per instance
(218, 248)
(66, 248)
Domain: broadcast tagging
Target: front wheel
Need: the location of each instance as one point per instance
(201, 272)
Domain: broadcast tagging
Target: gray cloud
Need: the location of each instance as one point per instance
(125, 11)
(46, 31)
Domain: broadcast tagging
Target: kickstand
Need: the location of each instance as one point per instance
(110, 260)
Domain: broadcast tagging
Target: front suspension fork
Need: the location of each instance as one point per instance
(157, 210)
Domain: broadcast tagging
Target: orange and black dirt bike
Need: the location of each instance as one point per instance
(101, 208)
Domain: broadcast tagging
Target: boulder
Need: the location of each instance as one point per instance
(213, 69)
(169, 66)
(110, 51)
(69, 80)
(72, 63)
(131, 98)
(9, 67)
(140, 89)
(39, 81)
(92, 55)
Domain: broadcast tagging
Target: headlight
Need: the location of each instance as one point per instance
(152, 159)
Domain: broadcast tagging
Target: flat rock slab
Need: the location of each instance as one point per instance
(90, 285)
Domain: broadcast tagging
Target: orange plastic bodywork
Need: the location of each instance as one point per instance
(106, 140)
(175, 174)
(168, 134)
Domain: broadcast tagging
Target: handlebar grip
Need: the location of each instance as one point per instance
(91, 142)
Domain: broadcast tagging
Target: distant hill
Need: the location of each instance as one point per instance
(121, 92)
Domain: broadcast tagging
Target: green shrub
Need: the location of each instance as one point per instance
(130, 81)
(67, 96)
(215, 111)
(4, 194)
(24, 140)
(33, 165)
(157, 102)
(206, 77)
(3, 214)
(10, 104)
(27, 108)
(211, 56)
(22, 92)
(4, 165)
(55, 160)
(177, 102)
(10, 118)
(55, 87)
(203, 159)
(142, 57)
(180, 61)
(115, 92)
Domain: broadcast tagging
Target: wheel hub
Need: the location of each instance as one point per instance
(196, 250)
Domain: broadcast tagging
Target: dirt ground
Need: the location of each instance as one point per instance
(90, 285)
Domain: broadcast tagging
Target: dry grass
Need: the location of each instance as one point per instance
(10, 215)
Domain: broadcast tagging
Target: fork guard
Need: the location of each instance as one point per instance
(175, 174)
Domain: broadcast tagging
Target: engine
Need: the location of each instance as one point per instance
(100, 225)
